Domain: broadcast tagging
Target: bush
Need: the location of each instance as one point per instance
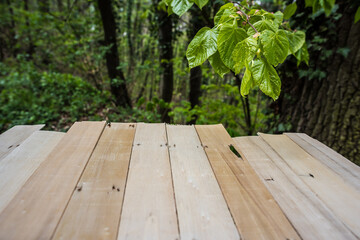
(30, 97)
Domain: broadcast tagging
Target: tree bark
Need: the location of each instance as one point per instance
(117, 78)
(328, 109)
(197, 22)
(166, 64)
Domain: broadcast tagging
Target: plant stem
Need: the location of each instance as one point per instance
(247, 16)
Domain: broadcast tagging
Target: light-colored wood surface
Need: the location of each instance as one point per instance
(149, 206)
(311, 218)
(337, 163)
(13, 137)
(254, 210)
(35, 211)
(333, 191)
(94, 209)
(20, 164)
(157, 181)
(201, 207)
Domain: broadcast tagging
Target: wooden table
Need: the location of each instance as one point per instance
(157, 181)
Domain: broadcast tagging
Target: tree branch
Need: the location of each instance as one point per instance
(242, 12)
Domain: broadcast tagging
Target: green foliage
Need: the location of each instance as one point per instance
(229, 37)
(357, 15)
(29, 97)
(229, 111)
(253, 39)
(202, 47)
(244, 53)
(266, 77)
(275, 46)
(317, 5)
(218, 65)
(290, 10)
(180, 7)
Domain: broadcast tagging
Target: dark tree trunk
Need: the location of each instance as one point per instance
(31, 48)
(197, 22)
(117, 78)
(166, 65)
(7, 47)
(129, 33)
(328, 109)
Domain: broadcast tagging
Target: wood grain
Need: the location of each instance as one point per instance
(347, 170)
(307, 213)
(94, 209)
(334, 192)
(201, 207)
(17, 167)
(36, 209)
(13, 137)
(149, 206)
(253, 208)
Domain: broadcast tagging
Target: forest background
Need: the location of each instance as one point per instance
(125, 61)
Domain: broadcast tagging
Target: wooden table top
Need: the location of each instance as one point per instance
(159, 181)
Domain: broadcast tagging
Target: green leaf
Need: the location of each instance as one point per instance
(266, 77)
(302, 55)
(247, 83)
(201, 47)
(296, 40)
(244, 52)
(181, 6)
(275, 45)
(229, 36)
(225, 14)
(218, 65)
(327, 5)
(309, 3)
(357, 15)
(201, 3)
(290, 10)
(262, 26)
(316, 6)
(279, 16)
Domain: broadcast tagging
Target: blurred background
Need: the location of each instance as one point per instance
(124, 61)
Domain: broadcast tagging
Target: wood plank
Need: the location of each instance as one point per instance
(340, 197)
(349, 171)
(307, 213)
(13, 137)
(94, 209)
(254, 210)
(149, 205)
(35, 211)
(17, 167)
(201, 207)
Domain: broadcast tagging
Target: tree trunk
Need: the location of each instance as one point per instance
(328, 109)
(117, 78)
(166, 64)
(197, 22)
(31, 48)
